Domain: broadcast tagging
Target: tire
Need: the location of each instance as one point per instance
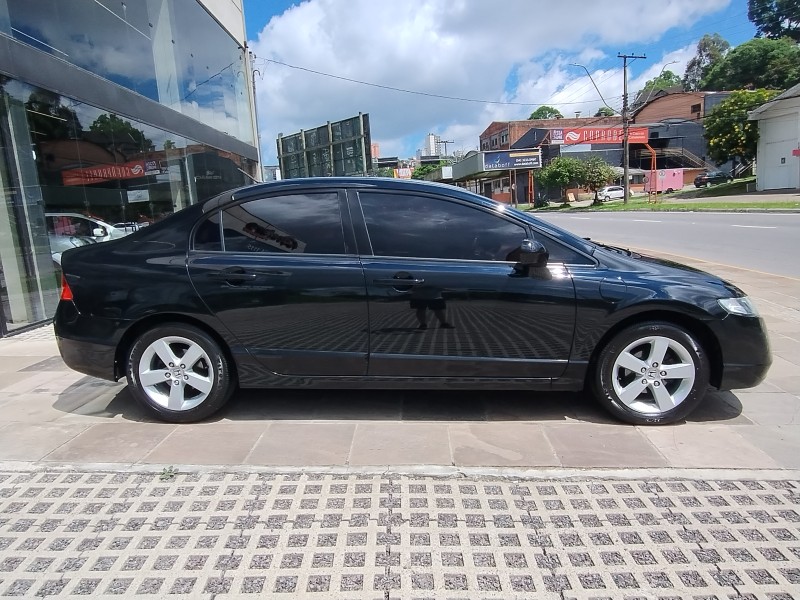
(151, 379)
(662, 399)
(670, 190)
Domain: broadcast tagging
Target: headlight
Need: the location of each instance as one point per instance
(743, 306)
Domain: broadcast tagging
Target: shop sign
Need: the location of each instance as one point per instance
(100, 173)
(597, 135)
(512, 159)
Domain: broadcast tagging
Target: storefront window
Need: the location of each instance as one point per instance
(73, 174)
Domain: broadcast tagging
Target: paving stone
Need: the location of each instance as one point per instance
(405, 536)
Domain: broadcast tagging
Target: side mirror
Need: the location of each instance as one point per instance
(532, 254)
(99, 232)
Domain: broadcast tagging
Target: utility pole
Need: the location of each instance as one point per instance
(445, 142)
(625, 124)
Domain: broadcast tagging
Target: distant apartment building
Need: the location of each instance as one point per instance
(340, 148)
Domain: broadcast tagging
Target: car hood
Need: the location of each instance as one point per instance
(635, 266)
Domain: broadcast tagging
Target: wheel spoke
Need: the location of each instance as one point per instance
(658, 350)
(631, 391)
(630, 362)
(193, 354)
(164, 352)
(678, 371)
(175, 397)
(663, 398)
(148, 378)
(200, 383)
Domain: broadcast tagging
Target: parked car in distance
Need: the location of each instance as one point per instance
(60, 243)
(611, 191)
(384, 283)
(71, 224)
(712, 178)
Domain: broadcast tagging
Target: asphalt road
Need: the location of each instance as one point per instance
(766, 242)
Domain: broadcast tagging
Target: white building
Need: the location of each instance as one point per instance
(432, 143)
(778, 156)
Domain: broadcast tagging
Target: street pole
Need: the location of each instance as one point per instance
(625, 124)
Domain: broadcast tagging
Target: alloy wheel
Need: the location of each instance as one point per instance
(653, 374)
(176, 373)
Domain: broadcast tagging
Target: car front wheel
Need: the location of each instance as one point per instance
(178, 373)
(651, 374)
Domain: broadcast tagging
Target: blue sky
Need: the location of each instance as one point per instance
(503, 57)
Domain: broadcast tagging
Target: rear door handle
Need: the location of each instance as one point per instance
(238, 276)
(398, 282)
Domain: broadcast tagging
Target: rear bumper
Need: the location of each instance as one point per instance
(87, 345)
(92, 359)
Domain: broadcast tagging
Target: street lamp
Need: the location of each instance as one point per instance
(660, 73)
(594, 84)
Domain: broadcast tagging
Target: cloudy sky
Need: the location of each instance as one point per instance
(501, 58)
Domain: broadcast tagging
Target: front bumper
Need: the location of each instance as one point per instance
(746, 355)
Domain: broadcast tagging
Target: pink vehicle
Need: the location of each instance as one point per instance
(667, 180)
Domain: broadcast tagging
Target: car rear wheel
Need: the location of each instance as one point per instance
(651, 374)
(178, 373)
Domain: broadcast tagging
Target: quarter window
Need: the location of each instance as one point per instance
(407, 225)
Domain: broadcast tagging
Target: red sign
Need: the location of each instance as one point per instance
(796, 152)
(602, 135)
(89, 175)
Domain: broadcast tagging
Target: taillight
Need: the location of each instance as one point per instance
(66, 293)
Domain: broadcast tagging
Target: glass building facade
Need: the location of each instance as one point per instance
(112, 114)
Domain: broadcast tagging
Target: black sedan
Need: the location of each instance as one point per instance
(711, 178)
(376, 283)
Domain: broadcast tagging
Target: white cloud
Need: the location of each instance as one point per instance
(501, 51)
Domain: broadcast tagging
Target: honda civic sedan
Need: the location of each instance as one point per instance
(381, 283)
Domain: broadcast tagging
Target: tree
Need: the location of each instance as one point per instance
(775, 18)
(729, 134)
(421, 171)
(546, 112)
(710, 50)
(596, 173)
(665, 80)
(121, 133)
(757, 63)
(604, 111)
(50, 119)
(562, 172)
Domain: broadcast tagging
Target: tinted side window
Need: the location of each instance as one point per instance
(423, 227)
(297, 223)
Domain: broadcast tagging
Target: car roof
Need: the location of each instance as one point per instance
(305, 183)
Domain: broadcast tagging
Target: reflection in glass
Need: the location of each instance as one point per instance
(297, 224)
(171, 51)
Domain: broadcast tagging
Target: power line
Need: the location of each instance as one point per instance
(415, 92)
